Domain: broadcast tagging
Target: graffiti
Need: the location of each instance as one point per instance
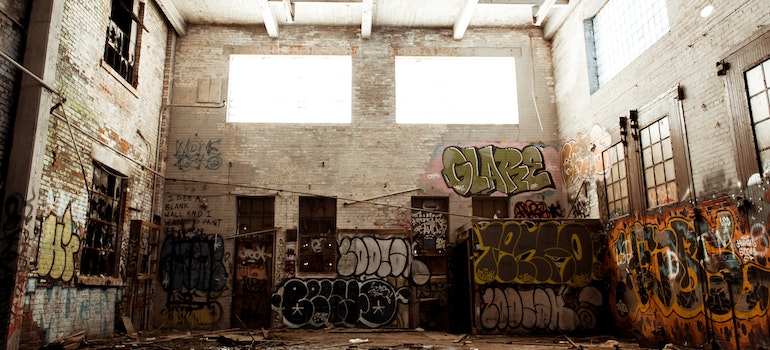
(532, 210)
(198, 154)
(560, 308)
(14, 243)
(180, 209)
(338, 302)
(58, 246)
(515, 252)
(191, 270)
(63, 311)
(367, 257)
(469, 171)
(432, 227)
(582, 157)
(683, 267)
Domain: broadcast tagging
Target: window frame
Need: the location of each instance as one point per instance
(619, 149)
(593, 9)
(266, 214)
(113, 273)
(733, 67)
(669, 104)
(305, 237)
(136, 14)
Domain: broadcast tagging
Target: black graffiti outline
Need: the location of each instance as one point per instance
(368, 257)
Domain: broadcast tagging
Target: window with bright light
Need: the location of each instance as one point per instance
(456, 90)
(658, 163)
(616, 180)
(289, 89)
(622, 30)
(758, 88)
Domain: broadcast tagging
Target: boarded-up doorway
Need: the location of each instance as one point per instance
(253, 270)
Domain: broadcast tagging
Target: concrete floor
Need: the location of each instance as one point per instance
(352, 339)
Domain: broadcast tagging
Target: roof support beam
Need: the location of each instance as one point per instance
(173, 16)
(367, 9)
(288, 9)
(464, 18)
(269, 18)
(542, 12)
(521, 2)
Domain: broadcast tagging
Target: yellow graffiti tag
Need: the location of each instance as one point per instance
(58, 246)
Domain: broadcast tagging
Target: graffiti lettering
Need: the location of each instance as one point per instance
(58, 246)
(62, 311)
(191, 270)
(348, 303)
(543, 253)
(430, 226)
(471, 171)
(367, 257)
(198, 154)
(532, 210)
(553, 309)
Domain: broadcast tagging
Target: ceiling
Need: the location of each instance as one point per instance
(363, 15)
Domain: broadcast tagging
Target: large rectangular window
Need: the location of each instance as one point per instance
(758, 89)
(255, 214)
(104, 223)
(289, 89)
(456, 90)
(658, 163)
(622, 30)
(121, 50)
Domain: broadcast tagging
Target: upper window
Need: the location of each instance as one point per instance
(121, 50)
(289, 89)
(104, 223)
(658, 163)
(456, 90)
(317, 234)
(622, 30)
(758, 88)
(616, 180)
(255, 214)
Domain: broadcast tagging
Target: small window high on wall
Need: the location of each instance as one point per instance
(289, 89)
(621, 30)
(456, 90)
(121, 49)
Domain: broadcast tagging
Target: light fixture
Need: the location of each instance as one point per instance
(706, 11)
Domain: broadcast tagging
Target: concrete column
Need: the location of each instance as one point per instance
(26, 165)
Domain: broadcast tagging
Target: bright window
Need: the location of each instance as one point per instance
(289, 89)
(616, 180)
(758, 87)
(658, 162)
(456, 90)
(622, 30)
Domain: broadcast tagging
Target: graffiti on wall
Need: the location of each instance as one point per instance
(687, 270)
(529, 253)
(482, 170)
(338, 302)
(198, 154)
(60, 312)
(430, 227)
(18, 212)
(558, 308)
(367, 257)
(582, 156)
(533, 210)
(182, 209)
(192, 272)
(58, 246)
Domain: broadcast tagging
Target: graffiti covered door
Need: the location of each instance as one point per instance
(252, 284)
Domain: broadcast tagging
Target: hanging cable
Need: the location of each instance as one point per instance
(60, 105)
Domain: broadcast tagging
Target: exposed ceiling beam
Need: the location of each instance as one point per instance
(521, 2)
(173, 16)
(267, 16)
(542, 11)
(367, 9)
(288, 9)
(353, 1)
(464, 18)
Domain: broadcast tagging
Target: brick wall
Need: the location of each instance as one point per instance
(102, 120)
(372, 159)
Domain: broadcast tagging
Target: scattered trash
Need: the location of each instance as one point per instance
(419, 329)
(358, 341)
